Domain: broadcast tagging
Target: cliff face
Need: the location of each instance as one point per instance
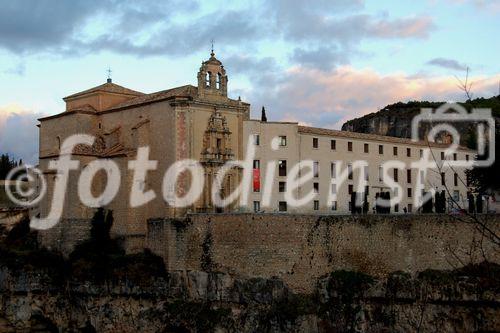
(395, 119)
(100, 288)
(463, 300)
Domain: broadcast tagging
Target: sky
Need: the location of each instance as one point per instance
(317, 62)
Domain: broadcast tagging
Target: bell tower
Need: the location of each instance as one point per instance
(212, 78)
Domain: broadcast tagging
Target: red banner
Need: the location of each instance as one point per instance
(256, 180)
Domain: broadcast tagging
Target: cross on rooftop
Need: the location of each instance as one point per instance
(109, 74)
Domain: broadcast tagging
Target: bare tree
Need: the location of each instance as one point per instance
(465, 86)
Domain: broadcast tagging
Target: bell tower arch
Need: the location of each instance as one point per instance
(212, 78)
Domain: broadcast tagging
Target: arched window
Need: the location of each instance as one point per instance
(207, 79)
(217, 82)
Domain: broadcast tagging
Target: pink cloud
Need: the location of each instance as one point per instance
(18, 132)
(328, 99)
(404, 28)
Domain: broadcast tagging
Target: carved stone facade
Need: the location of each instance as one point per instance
(216, 152)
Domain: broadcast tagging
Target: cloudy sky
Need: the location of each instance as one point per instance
(318, 62)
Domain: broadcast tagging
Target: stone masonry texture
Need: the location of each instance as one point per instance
(301, 248)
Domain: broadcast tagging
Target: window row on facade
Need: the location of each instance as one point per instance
(334, 173)
(282, 141)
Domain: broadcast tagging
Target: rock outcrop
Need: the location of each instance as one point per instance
(395, 119)
(465, 300)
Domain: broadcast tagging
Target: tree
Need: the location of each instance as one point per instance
(6, 164)
(486, 179)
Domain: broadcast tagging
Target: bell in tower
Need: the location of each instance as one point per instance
(212, 78)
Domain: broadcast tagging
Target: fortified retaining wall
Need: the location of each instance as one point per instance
(301, 248)
(65, 235)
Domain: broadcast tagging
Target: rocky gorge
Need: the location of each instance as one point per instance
(463, 300)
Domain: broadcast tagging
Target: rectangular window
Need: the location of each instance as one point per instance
(349, 171)
(367, 173)
(422, 180)
(315, 143)
(282, 168)
(467, 157)
(409, 192)
(316, 169)
(367, 148)
(256, 164)
(395, 171)
(408, 152)
(395, 151)
(456, 196)
(442, 156)
(334, 188)
(282, 206)
(350, 189)
(282, 187)
(408, 176)
(334, 205)
(256, 206)
(219, 143)
(455, 179)
(443, 179)
(333, 170)
(316, 204)
(256, 139)
(454, 156)
(333, 144)
(410, 208)
(380, 174)
(316, 187)
(421, 153)
(367, 190)
(396, 208)
(282, 140)
(380, 149)
(349, 146)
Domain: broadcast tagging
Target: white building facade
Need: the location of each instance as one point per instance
(342, 162)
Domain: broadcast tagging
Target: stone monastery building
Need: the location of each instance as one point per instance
(203, 124)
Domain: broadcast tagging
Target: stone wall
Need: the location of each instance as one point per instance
(301, 248)
(65, 235)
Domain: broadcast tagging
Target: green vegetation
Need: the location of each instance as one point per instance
(345, 289)
(414, 107)
(7, 164)
(207, 263)
(201, 317)
(102, 258)
(98, 259)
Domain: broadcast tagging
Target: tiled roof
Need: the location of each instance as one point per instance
(107, 87)
(189, 91)
(373, 137)
(183, 91)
